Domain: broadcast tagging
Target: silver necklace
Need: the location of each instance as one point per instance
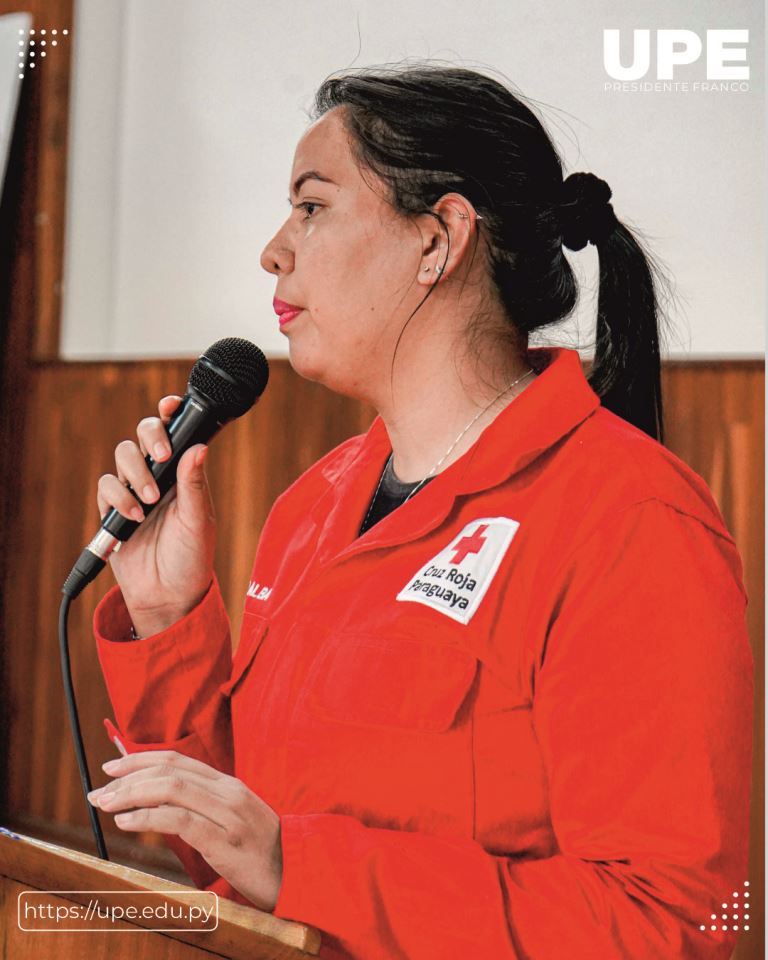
(447, 452)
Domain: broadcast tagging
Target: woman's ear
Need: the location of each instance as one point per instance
(446, 234)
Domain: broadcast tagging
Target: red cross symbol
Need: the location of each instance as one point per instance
(467, 545)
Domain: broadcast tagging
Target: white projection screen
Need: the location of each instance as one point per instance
(185, 115)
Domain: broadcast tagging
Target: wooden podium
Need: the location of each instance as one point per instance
(26, 864)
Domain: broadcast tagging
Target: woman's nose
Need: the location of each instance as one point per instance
(277, 256)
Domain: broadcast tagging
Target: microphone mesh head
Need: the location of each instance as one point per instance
(232, 374)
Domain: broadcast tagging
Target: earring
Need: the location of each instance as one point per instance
(426, 269)
(465, 216)
(438, 270)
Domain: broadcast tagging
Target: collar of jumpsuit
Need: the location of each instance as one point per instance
(557, 400)
(550, 407)
(511, 719)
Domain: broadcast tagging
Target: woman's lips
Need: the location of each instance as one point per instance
(285, 311)
(288, 315)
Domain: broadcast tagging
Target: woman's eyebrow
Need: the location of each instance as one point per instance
(309, 175)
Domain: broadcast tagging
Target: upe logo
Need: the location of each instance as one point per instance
(677, 48)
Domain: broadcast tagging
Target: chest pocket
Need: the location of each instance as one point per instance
(389, 681)
(252, 636)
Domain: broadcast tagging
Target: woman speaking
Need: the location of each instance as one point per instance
(493, 692)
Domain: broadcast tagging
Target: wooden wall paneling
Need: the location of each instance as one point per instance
(715, 422)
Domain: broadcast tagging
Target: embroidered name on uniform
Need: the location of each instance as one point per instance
(456, 579)
(257, 592)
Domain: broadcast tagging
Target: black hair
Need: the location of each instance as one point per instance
(425, 130)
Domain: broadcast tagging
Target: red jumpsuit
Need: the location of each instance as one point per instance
(512, 720)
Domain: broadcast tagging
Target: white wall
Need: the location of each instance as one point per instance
(185, 114)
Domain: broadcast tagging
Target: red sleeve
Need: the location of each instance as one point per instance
(643, 711)
(164, 690)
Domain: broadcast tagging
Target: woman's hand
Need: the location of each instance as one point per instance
(166, 567)
(235, 831)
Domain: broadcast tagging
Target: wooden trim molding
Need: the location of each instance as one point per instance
(42, 134)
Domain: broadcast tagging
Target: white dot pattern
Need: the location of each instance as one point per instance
(735, 916)
(32, 43)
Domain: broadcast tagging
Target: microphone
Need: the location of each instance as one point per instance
(224, 383)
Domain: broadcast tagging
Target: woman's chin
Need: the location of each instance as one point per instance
(305, 364)
(310, 367)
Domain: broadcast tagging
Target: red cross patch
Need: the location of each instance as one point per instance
(457, 578)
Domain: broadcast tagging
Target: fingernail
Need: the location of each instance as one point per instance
(138, 514)
(149, 493)
(202, 454)
(94, 793)
(111, 765)
(161, 450)
(123, 818)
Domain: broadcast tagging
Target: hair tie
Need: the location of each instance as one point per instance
(586, 215)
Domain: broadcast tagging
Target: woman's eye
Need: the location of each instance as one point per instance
(305, 207)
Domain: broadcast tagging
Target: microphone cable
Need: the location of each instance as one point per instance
(74, 723)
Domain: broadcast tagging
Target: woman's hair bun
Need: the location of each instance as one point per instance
(586, 215)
